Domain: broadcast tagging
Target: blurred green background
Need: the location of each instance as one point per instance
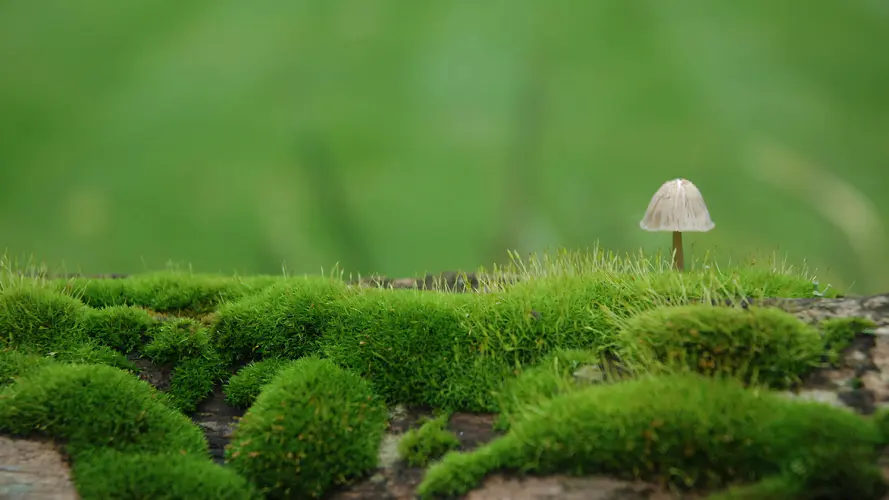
(400, 137)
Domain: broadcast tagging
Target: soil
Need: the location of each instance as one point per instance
(31, 469)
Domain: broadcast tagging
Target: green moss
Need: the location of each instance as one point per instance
(186, 345)
(15, 363)
(313, 427)
(111, 474)
(686, 430)
(453, 350)
(39, 319)
(414, 348)
(242, 389)
(179, 338)
(285, 320)
(89, 352)
(167, 291)
(554, 375)
(193, 380)
(881, 420)
(91, 407)
(428, 442)
(758, 345)
(124, 328)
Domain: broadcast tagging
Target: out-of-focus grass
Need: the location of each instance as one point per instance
(402, 137)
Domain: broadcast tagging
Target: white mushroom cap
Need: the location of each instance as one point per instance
(677, 206)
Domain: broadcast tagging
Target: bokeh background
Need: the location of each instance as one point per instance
(400, 137)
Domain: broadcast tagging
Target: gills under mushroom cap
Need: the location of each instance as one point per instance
(677, 206)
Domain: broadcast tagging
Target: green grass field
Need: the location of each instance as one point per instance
(402, 137)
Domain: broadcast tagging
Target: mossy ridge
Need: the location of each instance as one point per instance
(686, 430)
(179, 292)
(103, 407)
(313, 427)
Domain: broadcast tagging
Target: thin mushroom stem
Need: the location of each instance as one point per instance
(678, 256)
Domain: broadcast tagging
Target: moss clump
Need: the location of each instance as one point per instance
(285, 320)
(314, 426)
(110, 474)
(554, 375)
(166, 291)
(685, 430)
(428, 442)
(414, 348)
(757, 345)
(123, 328)
(179, 338)
(39, 319)
(91, 407)
(242, 389)
(186, 344)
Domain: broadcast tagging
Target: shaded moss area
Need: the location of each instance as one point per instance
(629, 366)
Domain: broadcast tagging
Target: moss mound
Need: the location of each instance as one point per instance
(123, 328)
(757, 345)
(93, 407)
(110, 474)
(285, 320)
(39, 319)
(686, 430)
(314, 426)
(242, 389)
(428, 442)
(412, 346)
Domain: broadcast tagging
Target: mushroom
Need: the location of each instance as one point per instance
(678, 207)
